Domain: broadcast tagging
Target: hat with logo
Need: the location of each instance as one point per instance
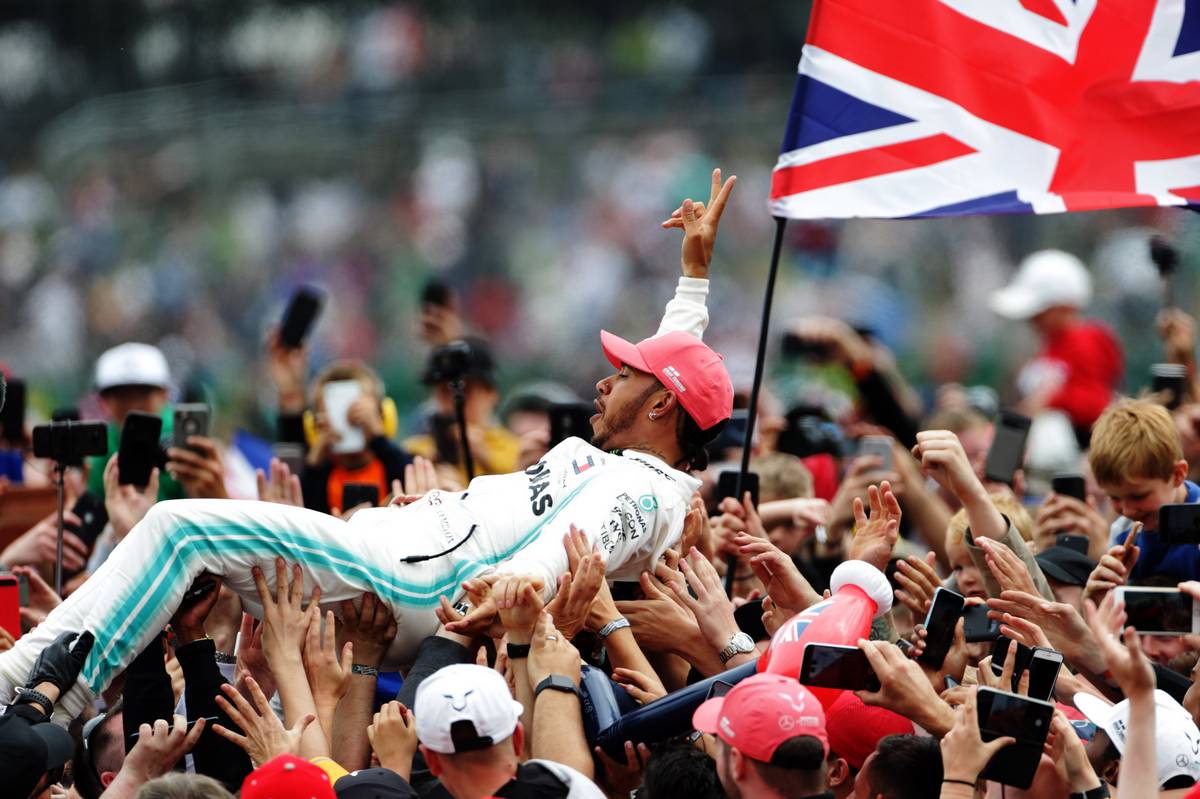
(287, 777)
(132, 364)
(1066, 565)
(373, 783)
(1044, 279)
(464, 707)
(1176, 737)
(681, 362)
(760, 713)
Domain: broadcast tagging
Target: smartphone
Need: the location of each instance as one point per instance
(1044, 665)
(302, 311)
(977, 627)
(727, 486)
(793, 346)
(437, 293)
(12, 415)
(1027, 720)
(877, 447)
(833, 666)
(445, 438)
(1079, 543)
(290, 454)
(1000, 652)
(1179, 524)
(749, 620)
(140, 448)
(1168, 380)
(208, 722)
(1160, 611)
(718, 688)
(337, 397)
(191, 419)
(355, 494)
(1007, 453)
(1069, 485)
(940, 622)
(93, 514)
(198, 590)
(10, 604)
(570, 420)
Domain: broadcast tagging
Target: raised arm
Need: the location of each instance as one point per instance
(687, 310)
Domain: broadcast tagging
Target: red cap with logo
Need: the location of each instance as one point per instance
(287, 777)
(760, 713)
(681, 362)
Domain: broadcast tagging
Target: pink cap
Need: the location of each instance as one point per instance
(287, 777)
(760, 713)
(681, 362)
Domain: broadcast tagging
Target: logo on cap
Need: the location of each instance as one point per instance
(672, 374)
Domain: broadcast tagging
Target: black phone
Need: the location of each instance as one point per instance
(749, 620)
(570, 420)
(1159, 611)
(94, 516)
(1169, 381)
(718, 688)
(1079, 543)
(437, 293)
(1044, 665)
(1007, 453)
(1179, 524)
(140, 448)
(302, 311)
(727, 486)
(445, 438)
(1027, 720)
(191, 419)
(793, 346)
(355, 494)
(1069, 485)
(12, 415)
(198, 590)
(977, 627)
(1000, 653)
(940, 622)
(833, 666)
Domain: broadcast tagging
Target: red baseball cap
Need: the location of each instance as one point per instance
(287, 777)
(683, 362)
(855, 728)
(760, 713)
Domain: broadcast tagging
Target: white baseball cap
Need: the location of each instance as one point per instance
(468, 693)
(132, 364)
(1176, 737)
(1044, 279)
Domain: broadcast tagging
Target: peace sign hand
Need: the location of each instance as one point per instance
(699, 224)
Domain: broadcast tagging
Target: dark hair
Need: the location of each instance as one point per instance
(906, 767)
(679, 769)
(692, 440)
(797, 767)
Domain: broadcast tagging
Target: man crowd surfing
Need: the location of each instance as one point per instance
(598, 613)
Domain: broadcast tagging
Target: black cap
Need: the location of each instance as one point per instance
(28, 750)
(1066, 565)
(373, 783)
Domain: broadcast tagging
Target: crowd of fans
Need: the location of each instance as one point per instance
(278, 697)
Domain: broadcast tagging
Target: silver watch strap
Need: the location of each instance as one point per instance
(612, 627)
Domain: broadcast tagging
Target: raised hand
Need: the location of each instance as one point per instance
(642, 687)
(776, 570)
(699, 223)
(874, 537)
(126, 504)
(1062, 624)
(286, 366)
(199, 468)
(42, 598)
(1120, 648)
(393, 736)
(328, 676)
(710, 606)
(919, 581)
(964, 752)
(519, 600)
(158, 749)
(281, 487)
(1009, 570)
(370, 629)
(39, 544)
(285, 619)
(578, 587)
(265, 737)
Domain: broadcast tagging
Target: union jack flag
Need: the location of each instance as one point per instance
(944, 107)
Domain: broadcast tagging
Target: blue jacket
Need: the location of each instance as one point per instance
(1181, 561)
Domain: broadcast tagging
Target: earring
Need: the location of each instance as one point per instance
(653, 415)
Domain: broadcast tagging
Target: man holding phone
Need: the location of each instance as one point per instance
(629, 491)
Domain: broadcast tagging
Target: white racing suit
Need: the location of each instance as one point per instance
(632, 505)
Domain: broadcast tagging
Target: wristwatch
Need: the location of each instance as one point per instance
(556, 682)
(517, 651)
(28, 696)
(739, 644)
(612, 627)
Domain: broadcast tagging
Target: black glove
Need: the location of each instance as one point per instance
(59, 663)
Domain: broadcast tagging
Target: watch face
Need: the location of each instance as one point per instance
(743, 642)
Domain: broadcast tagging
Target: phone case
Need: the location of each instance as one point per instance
(339, 395)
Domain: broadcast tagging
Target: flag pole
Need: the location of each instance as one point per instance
(760, 360)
